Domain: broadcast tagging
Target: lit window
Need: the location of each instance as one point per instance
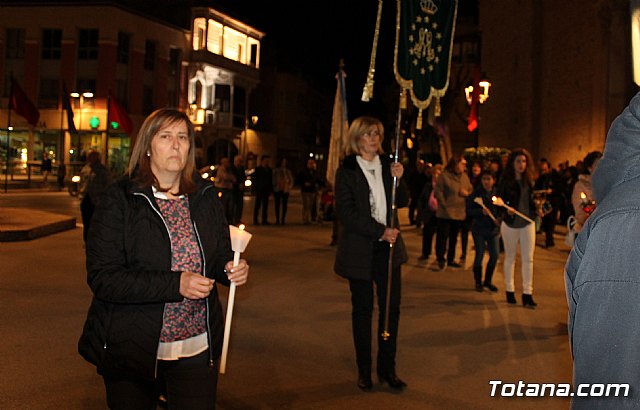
(235, 45)
(199, 30)
(214, 36)
(254, 52)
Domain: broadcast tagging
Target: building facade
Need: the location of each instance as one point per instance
(96, 50)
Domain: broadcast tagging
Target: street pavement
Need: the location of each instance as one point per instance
(291, 345)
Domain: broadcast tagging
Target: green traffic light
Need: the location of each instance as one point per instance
(114, 125)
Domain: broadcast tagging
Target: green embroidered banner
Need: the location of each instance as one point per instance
(424, 38)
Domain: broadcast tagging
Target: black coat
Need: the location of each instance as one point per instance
(509, 191)
(129, 272)
(358, 229)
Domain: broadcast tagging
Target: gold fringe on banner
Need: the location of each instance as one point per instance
(367, 92)
(437, 108)
(419, 121)
(403, 99)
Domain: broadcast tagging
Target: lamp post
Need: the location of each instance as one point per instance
(254, 121)
(474, 99)
(86, 94)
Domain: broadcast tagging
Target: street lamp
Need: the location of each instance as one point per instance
(86, 94)
(254, 121)
(474, 99)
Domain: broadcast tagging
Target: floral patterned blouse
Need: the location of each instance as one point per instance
(182, 320)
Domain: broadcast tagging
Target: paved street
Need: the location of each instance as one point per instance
(291, 345)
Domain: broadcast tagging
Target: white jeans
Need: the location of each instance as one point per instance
(527, 238)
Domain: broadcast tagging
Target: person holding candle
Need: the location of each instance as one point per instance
(582, 192)
(363, 192)
(484, 229)
(158, 245)
(516, 190)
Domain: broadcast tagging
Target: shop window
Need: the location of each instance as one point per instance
(199, 33)
(214, 37)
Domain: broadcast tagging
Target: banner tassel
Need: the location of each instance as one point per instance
(419, 121)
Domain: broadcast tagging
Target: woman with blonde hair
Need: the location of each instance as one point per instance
(157, 246)
(363, 192)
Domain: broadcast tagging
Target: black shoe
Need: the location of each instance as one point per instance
(490, 286)
(527, 301)
(364, 381)
(423, 258)
(478, 287)
(392, 380)
(440, 265)
(463, 257)
(454, 265)
(511, 298)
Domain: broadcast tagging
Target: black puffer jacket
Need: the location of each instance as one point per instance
(129, 271)
(358, 229)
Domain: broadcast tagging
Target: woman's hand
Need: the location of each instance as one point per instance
(194, 285)
(238, 274)
(397, 170)
(390, 235)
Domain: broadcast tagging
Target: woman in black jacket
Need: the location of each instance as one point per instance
(363, 205)
(158, 244)
(516, 190)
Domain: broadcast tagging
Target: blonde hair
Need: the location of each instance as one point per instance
(140, 163)
(358, 128)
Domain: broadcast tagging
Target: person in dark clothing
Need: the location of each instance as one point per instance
(263, 184)
(416, 183)
(363, 204)
(158, 244)
(45, 168)
(549, 182)
(465, 226)
(62, 173)
(94, 180)
(429, 205)
(485, 230)
(309, 181)
(238, 171)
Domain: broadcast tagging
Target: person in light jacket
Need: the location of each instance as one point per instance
(363, 191)
(452, 187)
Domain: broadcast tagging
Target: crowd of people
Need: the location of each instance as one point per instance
(169, 292)
(456, 200)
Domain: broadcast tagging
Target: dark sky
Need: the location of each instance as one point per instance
(309, 38)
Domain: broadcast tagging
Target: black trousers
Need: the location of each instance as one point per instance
(187, 383)
(238, 202)
(86, 210)
(447, 230)
(428, 230)
(548, 226)
(262, 201)
(281, 199)
(362, 312)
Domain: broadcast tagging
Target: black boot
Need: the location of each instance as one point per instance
(364, 379)
(392, 379)
(527, 301)
(511, 298)
(477, 275)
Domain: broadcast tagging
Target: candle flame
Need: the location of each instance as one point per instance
(241, 226)
(494, 198)
(583, 195)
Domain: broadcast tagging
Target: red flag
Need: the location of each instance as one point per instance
(475, 100)
(118, 114)
(22, 105)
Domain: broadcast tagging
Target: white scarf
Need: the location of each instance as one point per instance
(372, 170)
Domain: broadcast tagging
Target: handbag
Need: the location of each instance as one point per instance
(570, 237)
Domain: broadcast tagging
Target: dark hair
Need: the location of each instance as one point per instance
(140, 163)
(488, 172)
(453, 161)
(509, 173)
(590, 159)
